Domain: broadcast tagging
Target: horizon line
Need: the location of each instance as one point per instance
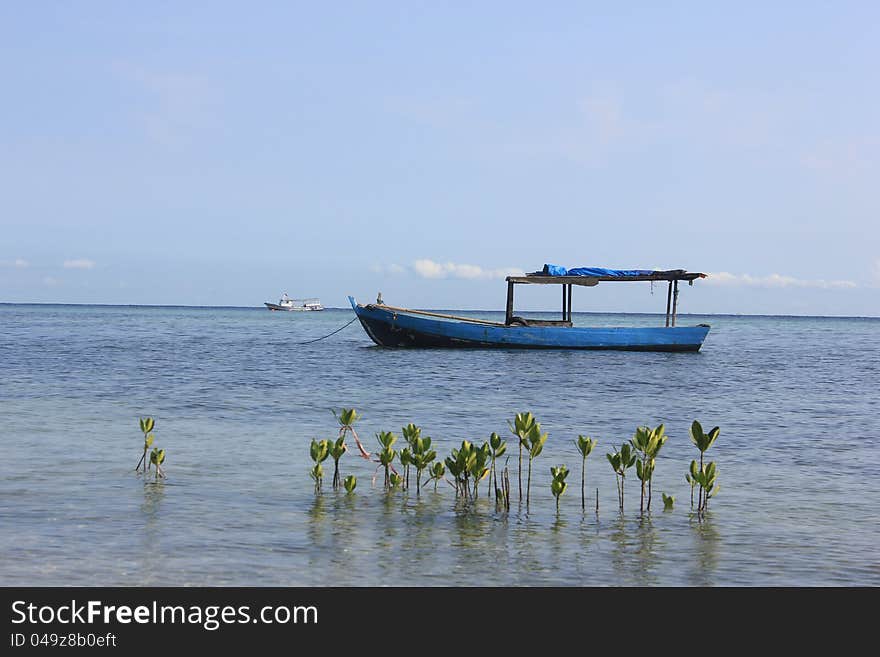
(470, 310)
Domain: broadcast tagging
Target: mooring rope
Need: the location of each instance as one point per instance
(324, 337)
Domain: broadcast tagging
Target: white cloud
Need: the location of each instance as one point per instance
(18, 263)
(50, 282)
(80, 263)
(430, 269)
(775, 281)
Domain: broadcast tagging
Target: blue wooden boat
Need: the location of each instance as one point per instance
(391, 326)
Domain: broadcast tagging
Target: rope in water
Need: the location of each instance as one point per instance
(324, 337)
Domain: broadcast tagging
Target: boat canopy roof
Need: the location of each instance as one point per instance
(589, 276)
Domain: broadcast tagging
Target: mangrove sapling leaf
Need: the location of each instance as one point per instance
(349, 483)
(558, 485)
(346, 419)
(585, 446)
(522, 425)
(536, 441)
(395, 481)
(336, 450)
(668, 501)
(319, 450)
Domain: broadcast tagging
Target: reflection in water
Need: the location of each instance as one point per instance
(419, 516)
(470, 526)
(619, 541)
(316, 530)
(527, 535)
(634, 552)
(558, 539)
(151, 509)
(707, 543)
(646, 560)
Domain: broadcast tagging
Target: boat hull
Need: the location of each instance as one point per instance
(275, 306)
(390, 328)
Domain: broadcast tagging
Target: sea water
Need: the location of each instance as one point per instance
(237, 397)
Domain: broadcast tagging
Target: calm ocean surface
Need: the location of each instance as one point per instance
(237, 400)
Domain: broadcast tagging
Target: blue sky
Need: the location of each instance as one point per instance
(222, 153)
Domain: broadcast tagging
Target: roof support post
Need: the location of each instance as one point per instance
(674, 300)
(668, 302)
(569, 301)
(509, 316)
(564, 309)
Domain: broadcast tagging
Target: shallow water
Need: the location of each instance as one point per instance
(237, 401)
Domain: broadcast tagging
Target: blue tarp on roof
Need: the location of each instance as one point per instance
(557, 270)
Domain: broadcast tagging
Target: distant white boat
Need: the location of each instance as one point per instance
(286, 303)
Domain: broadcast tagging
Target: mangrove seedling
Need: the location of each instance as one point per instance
(668, 501)
(706, 478)
(558, 485)
(497, 448)
(437, 472)
(405, 459)
(585, 446)
(146, 424)
(394, 481)
(318, 450)
(410, 433)
(459, 464)
(522, 425)
(478, 469)
(386, 454)
(422, 457)
(349, 483)
(337, 449)
(157, 458)
(502, 493)
(620, 462)
(536, 441)
(346, 418)
(647, 443)
(703, 442)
